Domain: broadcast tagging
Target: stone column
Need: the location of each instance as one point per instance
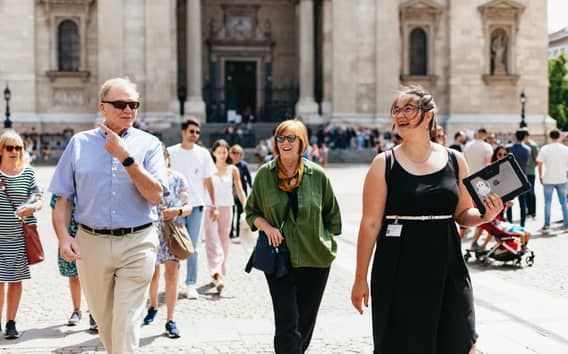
(195, 105)
(110, 38)
(306, 107)
(388, 56)
(326, 106)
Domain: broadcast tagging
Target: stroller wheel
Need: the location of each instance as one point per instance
(529, 260)
(484, 260)
(467, 256)
(518, 262)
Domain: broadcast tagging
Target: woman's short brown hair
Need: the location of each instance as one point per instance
(296, 127)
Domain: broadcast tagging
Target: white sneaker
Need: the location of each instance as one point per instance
(219, 285)
(191, 292)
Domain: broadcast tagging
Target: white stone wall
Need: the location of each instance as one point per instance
(138, 38)
(17, 56)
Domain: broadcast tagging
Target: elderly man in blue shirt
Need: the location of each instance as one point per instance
(115, 174)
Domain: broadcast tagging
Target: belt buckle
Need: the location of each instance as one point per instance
(119, 232)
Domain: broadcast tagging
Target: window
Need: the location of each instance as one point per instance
(418, 52)
(68, 46)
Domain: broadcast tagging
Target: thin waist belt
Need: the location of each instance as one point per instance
(116, 232)
(419, 218)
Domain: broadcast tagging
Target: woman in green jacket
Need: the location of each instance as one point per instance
(309, 229)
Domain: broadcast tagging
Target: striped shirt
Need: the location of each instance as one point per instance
(13, 261)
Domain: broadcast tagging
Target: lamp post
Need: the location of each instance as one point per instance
(7, 96)
(523, 101)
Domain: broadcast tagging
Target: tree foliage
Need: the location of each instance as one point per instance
(558, 91)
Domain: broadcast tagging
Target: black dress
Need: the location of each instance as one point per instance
(420, 288)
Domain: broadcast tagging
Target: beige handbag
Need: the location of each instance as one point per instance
(177, 239)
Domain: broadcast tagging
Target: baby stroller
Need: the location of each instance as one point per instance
(507, 246)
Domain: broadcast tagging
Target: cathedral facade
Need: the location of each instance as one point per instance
(322, 60)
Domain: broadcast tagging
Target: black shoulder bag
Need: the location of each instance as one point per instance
(269, 259)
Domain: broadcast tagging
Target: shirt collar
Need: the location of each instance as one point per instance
(126, 133)
(308, 169)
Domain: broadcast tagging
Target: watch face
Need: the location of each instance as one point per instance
(127, 161)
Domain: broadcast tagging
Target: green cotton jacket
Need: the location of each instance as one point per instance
(310, 236)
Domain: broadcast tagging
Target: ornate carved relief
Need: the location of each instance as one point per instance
(424, 15)
(500, 19)
(240, 23)
(68, 97)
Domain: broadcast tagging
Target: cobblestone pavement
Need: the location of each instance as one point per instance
(518, 310)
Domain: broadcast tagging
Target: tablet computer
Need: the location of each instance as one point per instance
(503, 177)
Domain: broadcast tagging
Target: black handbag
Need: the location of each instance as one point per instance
(269, 259)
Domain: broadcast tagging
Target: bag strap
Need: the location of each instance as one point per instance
(286, 211)
(388, 164)
(455, 164)
(3, 187)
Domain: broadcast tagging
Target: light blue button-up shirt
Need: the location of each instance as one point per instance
(105, 195)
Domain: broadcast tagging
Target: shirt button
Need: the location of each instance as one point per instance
(113, 193)
(114, 212)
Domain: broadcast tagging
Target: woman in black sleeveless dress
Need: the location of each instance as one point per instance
(412, 199)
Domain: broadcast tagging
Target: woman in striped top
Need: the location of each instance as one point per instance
(18, 185)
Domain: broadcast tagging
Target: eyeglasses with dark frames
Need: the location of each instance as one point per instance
(281, 138)
(11, 148)
(122, 104)
(407, 110)
(192, 131)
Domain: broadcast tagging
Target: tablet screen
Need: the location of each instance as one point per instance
(501, 184)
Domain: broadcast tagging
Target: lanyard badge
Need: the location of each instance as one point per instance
(394, 229)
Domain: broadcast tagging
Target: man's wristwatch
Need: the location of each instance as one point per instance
(128, 161)
(180, 211)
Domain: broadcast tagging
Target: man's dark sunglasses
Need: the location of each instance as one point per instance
(196, 132)
(122, 104)
(282, 138)
(11, 148)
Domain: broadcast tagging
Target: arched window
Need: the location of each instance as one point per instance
(68, 46)
(418, 52)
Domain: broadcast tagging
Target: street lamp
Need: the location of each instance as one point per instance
(7, 96)
(523, 101)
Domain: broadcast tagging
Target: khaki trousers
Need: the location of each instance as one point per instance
(115, 274)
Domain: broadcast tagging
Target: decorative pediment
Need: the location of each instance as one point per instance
(428, 11)
(67, 7)
(501, 9)
(419, 8)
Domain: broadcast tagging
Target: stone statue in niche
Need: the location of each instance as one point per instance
(499, 54)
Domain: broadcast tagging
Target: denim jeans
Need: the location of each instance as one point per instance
(193, 224)
(531, 197)
(523, 208)
(561, 193)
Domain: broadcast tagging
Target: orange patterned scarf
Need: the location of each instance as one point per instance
(288, 184)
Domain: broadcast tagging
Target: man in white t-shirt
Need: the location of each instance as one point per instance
(478, 152)
(478, 155)
(197, 166)
(552, 162)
